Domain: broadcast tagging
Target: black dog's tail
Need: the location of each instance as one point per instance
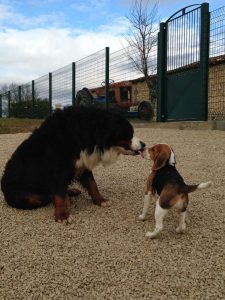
(192, 188)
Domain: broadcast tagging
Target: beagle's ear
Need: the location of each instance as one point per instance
(162, 156)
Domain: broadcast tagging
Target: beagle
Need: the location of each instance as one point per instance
(166, 181)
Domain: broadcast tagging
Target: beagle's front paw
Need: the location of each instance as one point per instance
(181, 229)
(151, 235)
(107, 203)
(142, 217)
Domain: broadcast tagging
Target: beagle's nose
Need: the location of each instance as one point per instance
(142, 145)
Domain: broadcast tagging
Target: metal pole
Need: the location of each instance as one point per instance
(32, 98)
(19, 92)
(0, 106)
(107, 77)
(161, 72)
(204, 55)
(73, 82)
(9, 100)
(50, 93)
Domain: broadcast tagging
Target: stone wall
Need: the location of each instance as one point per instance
(216, 92)
(139, 91)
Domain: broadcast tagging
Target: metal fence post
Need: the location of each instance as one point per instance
(161, 70)
(204, 53)
(9, 103)
(0, 106)
(50, 93)
(73, 82)
(32, 95)
(19, 92)
(107, 77)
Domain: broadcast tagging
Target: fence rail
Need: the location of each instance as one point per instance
(37, 99)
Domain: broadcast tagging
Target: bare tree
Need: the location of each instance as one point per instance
(142, 39)
(13, 88)
(4, 88)
(26, 91)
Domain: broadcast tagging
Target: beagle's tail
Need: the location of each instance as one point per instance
(192, 188)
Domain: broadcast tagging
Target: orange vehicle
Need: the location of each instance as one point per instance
(120, 96)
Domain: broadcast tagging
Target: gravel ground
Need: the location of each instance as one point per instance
(104, 253)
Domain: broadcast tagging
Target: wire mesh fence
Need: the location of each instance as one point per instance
(62, 87)
(126, 77)
(4, 105)
(21, 104)
(90, 71)
(122, 65)
(124, 81)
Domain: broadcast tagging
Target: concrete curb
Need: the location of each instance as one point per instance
(182, 125)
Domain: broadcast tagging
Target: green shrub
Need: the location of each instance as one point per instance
(26, 109)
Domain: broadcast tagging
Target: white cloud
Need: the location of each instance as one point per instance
(26, 55)
(90, 5)
(11, 18)
(31, 48)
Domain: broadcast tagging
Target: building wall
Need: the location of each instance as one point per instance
(139, 91)
(216, 92)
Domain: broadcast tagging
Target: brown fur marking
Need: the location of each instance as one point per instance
(94, 193)
(61, 208)
(35, 199)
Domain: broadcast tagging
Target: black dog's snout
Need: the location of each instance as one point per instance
(142, 145)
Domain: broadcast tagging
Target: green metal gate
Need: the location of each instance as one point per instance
(183, 53)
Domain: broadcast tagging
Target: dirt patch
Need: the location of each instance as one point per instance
(104, 253)
(13, 125)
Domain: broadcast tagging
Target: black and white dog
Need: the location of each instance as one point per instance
(68, 145)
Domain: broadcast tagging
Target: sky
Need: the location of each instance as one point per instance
(37, 37)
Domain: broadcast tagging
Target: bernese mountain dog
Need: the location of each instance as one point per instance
(67, 146)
